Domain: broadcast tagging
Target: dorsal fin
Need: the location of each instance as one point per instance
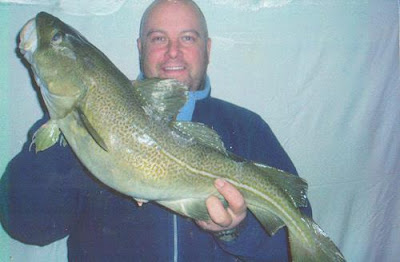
(294, 186)
(161, 98)
(200, 133)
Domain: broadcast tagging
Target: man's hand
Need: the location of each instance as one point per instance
(221, 218)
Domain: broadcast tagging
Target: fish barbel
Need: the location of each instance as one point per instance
(126, 135)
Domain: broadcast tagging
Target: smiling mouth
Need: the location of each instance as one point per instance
(173, 68)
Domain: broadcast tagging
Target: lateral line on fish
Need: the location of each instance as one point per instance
(207, 174)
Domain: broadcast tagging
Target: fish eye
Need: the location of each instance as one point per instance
(57, 37)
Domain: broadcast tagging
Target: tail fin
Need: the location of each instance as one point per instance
(323, 249)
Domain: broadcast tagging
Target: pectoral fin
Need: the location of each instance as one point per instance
(46, 136)
(92, 131)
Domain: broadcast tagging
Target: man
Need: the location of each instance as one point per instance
(174, 43)
(47, 196)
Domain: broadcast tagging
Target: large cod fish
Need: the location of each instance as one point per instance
(126, 135)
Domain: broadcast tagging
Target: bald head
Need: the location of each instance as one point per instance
(162, 3)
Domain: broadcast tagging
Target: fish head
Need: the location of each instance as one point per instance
(53, 49)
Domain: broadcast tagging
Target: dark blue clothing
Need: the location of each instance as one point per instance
(47, 196)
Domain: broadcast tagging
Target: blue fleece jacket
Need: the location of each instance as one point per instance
(47, 196)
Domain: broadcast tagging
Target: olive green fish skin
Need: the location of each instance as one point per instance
(130, 146)
(136, 144)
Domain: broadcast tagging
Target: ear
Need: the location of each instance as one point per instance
(208, 49)
(139, 45)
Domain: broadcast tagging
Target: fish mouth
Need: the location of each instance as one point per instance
(28, 39)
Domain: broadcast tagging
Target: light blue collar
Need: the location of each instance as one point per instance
(186, 112)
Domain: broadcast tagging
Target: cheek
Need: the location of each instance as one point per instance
(151, 60)
(153, 53)
(197, 58)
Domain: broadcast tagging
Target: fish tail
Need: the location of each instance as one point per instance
(321, 247)
(275, 203)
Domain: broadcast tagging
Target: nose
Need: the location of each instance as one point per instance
(173, 49)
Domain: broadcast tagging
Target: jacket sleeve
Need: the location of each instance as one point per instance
(252, 242)
(39, 193)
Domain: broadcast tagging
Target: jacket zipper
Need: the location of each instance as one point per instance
(175, 221)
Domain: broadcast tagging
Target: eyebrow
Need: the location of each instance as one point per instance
(154, 31)
(192, 31)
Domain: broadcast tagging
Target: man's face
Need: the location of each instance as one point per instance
(174, 44)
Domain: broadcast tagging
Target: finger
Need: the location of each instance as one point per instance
(209, 225)
(217, 212)
(235, 199)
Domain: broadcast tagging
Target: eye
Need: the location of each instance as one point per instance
(188, 38)
(57, 37)
(158, 39)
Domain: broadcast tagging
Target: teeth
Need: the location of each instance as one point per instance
(174, 68)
